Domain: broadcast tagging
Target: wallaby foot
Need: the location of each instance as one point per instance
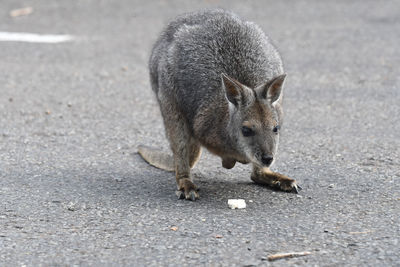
(274, 180)
(187, 190)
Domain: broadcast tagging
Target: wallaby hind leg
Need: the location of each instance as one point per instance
(265, 176)
(186, 152)
(186, 188)
(194, 152)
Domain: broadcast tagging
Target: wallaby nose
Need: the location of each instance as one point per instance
(266, 160)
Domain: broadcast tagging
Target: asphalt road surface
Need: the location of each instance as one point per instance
(73, 191)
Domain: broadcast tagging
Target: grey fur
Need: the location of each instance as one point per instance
(211, 72)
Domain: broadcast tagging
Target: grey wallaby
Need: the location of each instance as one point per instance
(218, 81)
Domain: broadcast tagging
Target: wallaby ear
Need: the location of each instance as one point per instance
(235, 91)
(272, 89)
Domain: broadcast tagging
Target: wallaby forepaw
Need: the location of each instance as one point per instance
(276, 181)
(287, 185)
(187, 190)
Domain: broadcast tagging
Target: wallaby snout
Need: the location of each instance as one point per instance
(266, 160)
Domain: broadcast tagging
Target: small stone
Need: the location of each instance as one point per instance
(331, 186)
(71, 206)
(118, 179)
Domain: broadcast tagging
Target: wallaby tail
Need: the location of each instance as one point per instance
(157, 158)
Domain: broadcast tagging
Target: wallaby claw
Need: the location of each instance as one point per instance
(290, 187)
(180, 194)
(295, 189)
(191, 195)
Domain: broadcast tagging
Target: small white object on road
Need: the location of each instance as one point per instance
(21, 12)
(237, 203)
(34, 38)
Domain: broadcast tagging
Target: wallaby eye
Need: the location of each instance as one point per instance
(276, 128)
(246, 131)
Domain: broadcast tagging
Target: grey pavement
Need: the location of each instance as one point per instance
(73, 191)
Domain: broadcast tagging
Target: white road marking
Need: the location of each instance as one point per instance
(34, 38)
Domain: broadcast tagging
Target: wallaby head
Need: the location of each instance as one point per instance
(255, 118)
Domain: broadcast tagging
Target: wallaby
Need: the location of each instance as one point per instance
(218, 81)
